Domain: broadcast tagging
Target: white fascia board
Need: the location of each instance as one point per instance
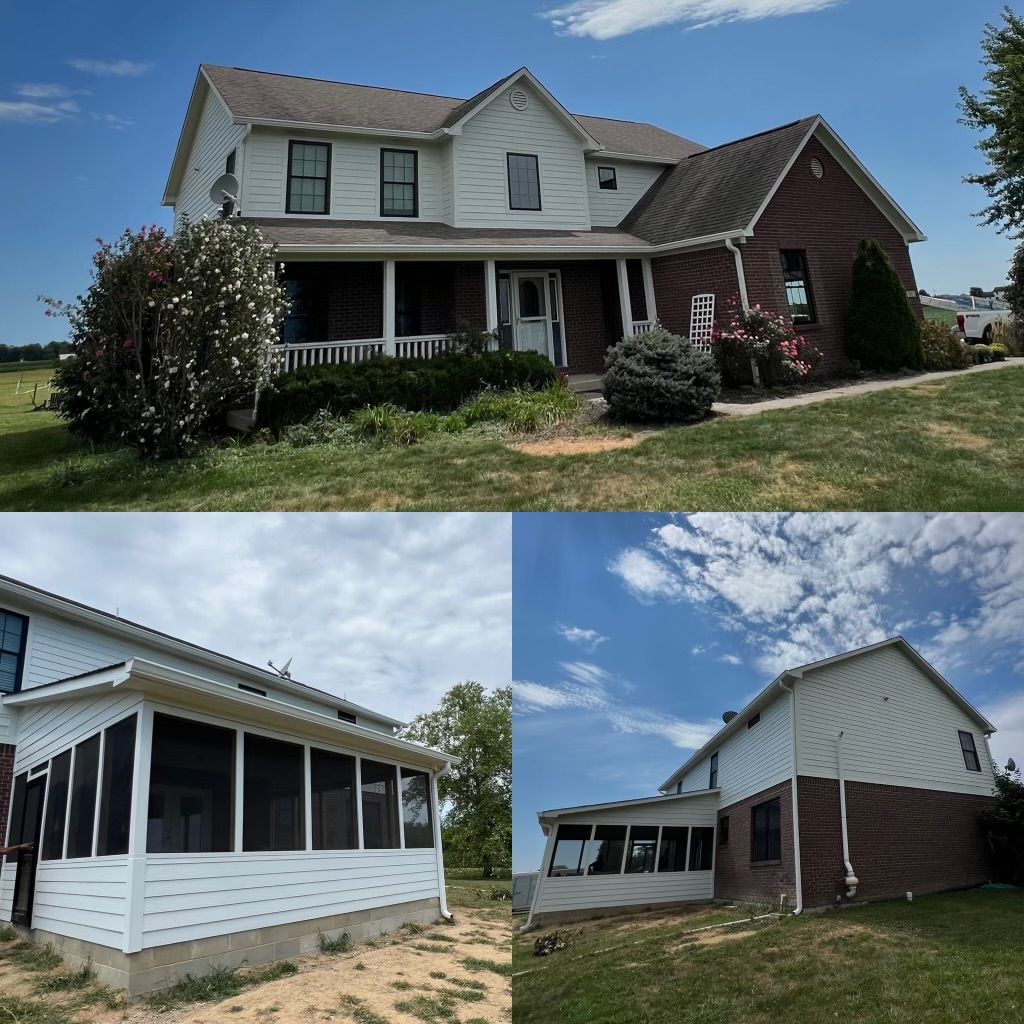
(79, 686)
(122, 627)
(589, 142)
(338, 129)
(200, 90)
(607, 154)
(643, 801)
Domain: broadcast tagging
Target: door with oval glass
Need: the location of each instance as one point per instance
(532, 312)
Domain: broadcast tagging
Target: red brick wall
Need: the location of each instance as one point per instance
(355, 305)
(736, 877)
(469, 300)
(678, 278)
(827, 218)
(6, 782)
(901, 839)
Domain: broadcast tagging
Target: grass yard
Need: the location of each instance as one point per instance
(948, 959)
(950, 444)
(943, 316)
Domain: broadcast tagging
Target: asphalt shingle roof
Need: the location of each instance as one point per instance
(260, 95)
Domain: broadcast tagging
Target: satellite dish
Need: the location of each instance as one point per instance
(729, 716)
(224, 189)
(1011, 765)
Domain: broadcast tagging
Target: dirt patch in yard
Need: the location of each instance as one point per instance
(552, 447)
(955, 437)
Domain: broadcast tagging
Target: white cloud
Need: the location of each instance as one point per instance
(1008, 716)
(389, 611)
(731, 659)
(698, 650)
(538, 697)
(114, 120)
(588, 638)
(586, 673)
(29, 112)
(116, 68)
(47, 91)
(607, 19)
(644, 575)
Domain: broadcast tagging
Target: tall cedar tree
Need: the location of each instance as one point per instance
(476, 726)
(999, 110)
(1004, 826)
(882, 332)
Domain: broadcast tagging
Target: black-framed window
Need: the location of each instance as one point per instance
(605, 850)
(274, 795)
(523, 181)
(753, 720)
(798, 286)
(399, 183)
(84, 779)
(723, 831)
(713, 774)
(191, 787)
(56, 807)
(116, 787)
(606, 179)
(333, 788)
(309, 176)
(13, 635)
(567, 856)
(766, 831)
(643, 843)
(702, 840)
(970, 751)
(416, 817)
(379, 783)
(672, 853)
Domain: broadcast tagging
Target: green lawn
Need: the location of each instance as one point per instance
(944, 316)
(951, 444)
(950, 959)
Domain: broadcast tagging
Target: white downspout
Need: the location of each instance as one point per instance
(798, 877)
(741, 280)
(851, 879)
(442, 892)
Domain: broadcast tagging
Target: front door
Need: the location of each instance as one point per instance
(531, 313)
(25, 872)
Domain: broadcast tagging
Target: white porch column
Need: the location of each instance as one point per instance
(135, 888)
(389, 307)
(491, 294)
(652, 308)
(624, 304)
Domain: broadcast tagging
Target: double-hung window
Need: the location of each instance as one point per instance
(766, 832)
(523, 182)
(970, 751)
(399, 187)
(798, 286)
(713, 774)
(13, 631)
(309, 173)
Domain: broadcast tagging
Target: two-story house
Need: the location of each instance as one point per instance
(186, 810)
(399, 216)
(858, 777)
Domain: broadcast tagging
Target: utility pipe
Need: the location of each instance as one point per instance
(741, 280)
(791, 690)
(851, 879)
(441, 890)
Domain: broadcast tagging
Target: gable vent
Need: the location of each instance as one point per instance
(817, 167)
(519, 99)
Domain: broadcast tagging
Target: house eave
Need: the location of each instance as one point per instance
(546, 817)
(339, 129)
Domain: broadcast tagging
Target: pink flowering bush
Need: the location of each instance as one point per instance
(765, 338)
(172, 332)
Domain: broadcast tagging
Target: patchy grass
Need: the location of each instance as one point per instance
(221, 983)
(14, 1010)
(339, 944)
(948, 959)
(434, 1009)
(358, 1011)
(479, 893)
(66, 981)
(35, 958)
(473, 963)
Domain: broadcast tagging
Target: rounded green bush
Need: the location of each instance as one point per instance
(981, 353)
(999, 352)
(943, 350)
(661, 377)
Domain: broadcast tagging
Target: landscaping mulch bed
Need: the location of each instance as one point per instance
(749, 394)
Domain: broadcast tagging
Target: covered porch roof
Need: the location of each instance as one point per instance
(547, 818)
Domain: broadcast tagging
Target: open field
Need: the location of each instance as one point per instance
(956, 443)
(448, 973)
(943, 316)
(949, 959)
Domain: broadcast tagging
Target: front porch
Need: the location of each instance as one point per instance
(571, 311)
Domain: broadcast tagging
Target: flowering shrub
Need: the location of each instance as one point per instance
(172, 332)
(759, 336)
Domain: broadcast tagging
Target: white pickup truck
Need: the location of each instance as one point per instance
(976, 324)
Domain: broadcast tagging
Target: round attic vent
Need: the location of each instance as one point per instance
(519, 99)
(817, 168)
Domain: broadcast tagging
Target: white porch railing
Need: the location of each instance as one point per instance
(639, 326)
(424, 346)
(316, 353)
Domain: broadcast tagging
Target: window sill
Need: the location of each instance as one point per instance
(764, 863)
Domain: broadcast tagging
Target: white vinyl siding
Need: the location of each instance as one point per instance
(899, 728)
(84, 898)
(194, 896)
(481, 197)
(355, 175)
(215, 137)
(595, 892)
(609, 206)
(750, 760)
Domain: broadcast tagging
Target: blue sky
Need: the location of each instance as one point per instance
(92, 97)
(633, 633)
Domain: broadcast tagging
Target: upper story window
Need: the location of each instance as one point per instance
(713, 776)
(399, 187)
(523, 182)
(766, 831)
(606, 179)
(309, 170)
(13, 634)
(970, 751)
(798, 286)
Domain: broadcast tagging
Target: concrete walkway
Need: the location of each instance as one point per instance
(750, 408)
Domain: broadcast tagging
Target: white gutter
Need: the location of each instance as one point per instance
(442, 892)
(791, 690)
(851, 879)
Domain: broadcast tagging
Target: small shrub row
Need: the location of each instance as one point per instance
(943, 350)
(437, 385)
(994, 353)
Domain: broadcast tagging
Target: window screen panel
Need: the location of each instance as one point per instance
(116, 788)
(379, 795)
(333, 785)
(672, 852)
(604, 852)
(643, 842)
(701, 843)
(273, 796)
(567, 856)
(56, 807)
(14, 836)
(416, 816)
(84, 778)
